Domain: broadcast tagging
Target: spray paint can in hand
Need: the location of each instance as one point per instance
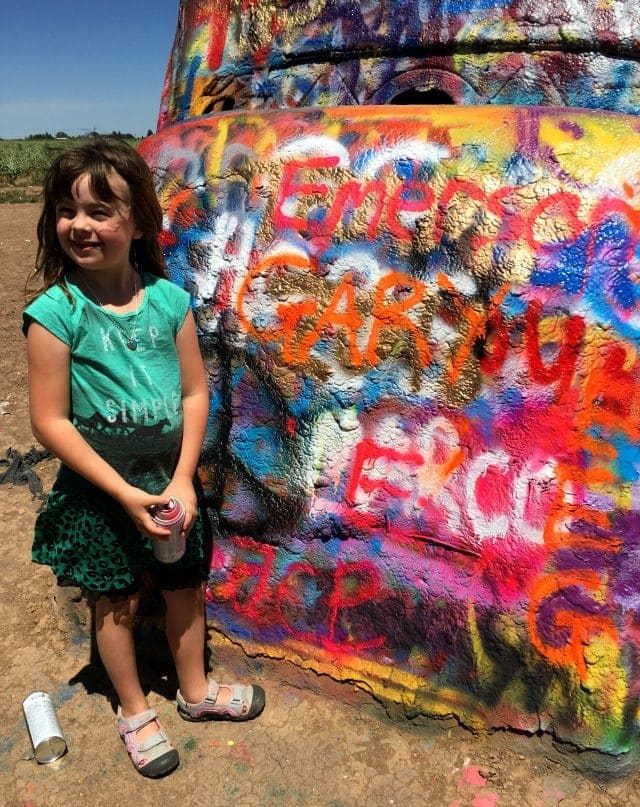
(171, 516)
(45, 732)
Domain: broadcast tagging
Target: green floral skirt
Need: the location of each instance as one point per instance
(89, 541)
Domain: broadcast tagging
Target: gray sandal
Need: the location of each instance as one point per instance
(246, 702)
(154, 756)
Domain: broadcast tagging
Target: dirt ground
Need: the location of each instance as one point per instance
(317, 743)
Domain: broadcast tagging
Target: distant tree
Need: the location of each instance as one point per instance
(122, 135)
(149, 133)
(62, 135)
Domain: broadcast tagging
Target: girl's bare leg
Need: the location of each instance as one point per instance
(185, 626)
(114, 637)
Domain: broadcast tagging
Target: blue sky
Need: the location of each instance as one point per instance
(79, 66)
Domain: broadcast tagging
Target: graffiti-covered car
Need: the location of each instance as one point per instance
(410, 232)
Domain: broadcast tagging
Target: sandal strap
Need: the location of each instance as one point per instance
(214, 688)
(239, 694)
(135, 722)
(156, 739)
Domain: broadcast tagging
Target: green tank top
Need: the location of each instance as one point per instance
(126, 403)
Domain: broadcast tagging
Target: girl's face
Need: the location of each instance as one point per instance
(95, 234)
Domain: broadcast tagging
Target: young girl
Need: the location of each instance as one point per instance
(117, 391)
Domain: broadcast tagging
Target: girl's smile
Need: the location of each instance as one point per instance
(96, 234)
(80, 246)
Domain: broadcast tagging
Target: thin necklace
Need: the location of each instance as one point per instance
(129, 338)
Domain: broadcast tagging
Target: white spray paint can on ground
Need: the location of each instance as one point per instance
(171, 516)
(45, 732)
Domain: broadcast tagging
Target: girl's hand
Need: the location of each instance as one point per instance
(181, 487)
(137, 503)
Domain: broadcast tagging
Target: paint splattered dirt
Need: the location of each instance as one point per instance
(308, 748)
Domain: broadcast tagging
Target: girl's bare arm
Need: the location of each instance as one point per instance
(195, 407)
(49, 391)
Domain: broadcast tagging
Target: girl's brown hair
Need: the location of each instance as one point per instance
(99, 157)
